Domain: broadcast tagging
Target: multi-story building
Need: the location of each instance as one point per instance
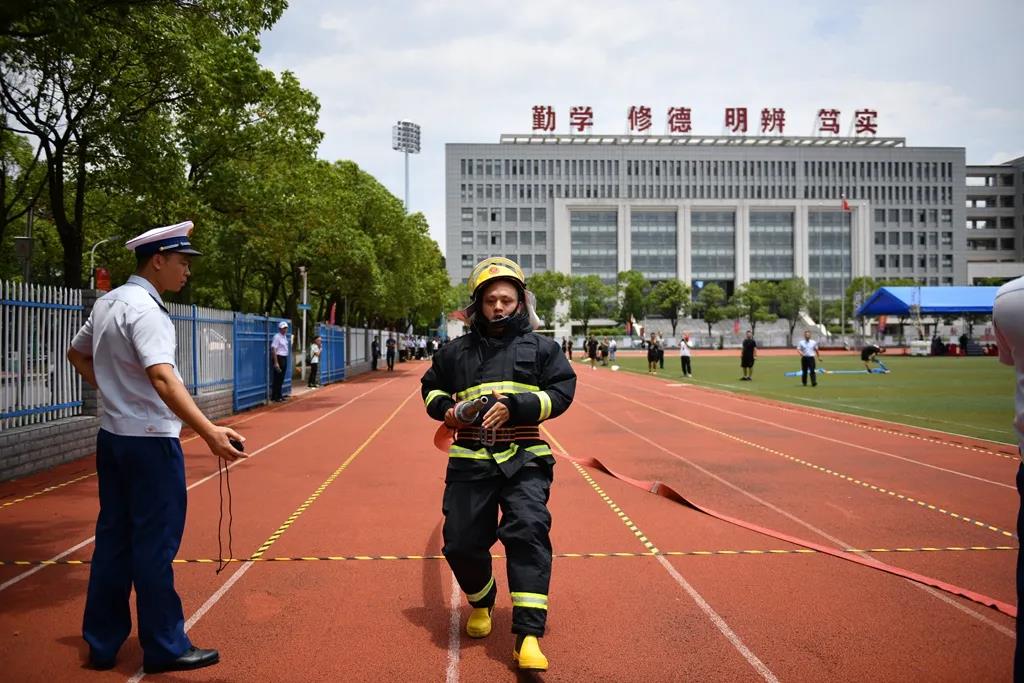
(725, 209)
(995, 221)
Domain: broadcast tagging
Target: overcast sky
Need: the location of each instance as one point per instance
(939, 73)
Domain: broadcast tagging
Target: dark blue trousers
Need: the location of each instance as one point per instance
(141, 520)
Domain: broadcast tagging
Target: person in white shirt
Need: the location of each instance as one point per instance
(808, 350)
(684, 356)
(279, 346)
(612, 348)
(126, 350)
(314, 362)
(1008, 320)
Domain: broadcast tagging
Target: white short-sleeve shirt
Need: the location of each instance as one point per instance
(128, 331)
(1008, 320)
(807, 347)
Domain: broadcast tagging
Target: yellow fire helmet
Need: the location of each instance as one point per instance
(494, 267)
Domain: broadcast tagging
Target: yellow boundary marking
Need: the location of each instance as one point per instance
(584, 556)
(819, 468)
(54, 487)
(604, 496)
(327, 482)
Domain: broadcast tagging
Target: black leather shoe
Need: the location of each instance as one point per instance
(194, 658)
(100, 664)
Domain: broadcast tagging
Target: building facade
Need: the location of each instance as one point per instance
(725, 209)
(995, 222)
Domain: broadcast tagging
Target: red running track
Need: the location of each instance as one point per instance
(643, 589)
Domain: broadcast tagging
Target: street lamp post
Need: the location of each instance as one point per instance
(405, 137)
(92, 262)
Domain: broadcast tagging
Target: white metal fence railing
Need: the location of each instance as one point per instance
(37, 383)
(205, 354)
(357, 344)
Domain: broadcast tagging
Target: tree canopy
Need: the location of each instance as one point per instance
(124, 115)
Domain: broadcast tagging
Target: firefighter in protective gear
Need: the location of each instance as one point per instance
(499, 462)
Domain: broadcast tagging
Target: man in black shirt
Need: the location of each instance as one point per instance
(869, 355)
(747, 356)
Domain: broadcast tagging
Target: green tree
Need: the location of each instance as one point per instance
(671, 299)
(790, 300)
(711, 305)
(753, 301)
(589, 298)
(549, 288)
(634, 291)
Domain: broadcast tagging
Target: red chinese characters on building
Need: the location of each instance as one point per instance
(639, 119)
(773, 120)
(543, 118)
(679, 120)
(828, 121)
(736, 119)
(581, 118)
(865, 121)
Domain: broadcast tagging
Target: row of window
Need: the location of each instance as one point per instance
(881, 194)
(1002, 223)
(511, 215)
(513, 238)
(905, 171)
(991, 244)
(905, 238)
(907, 216)
(907, 261)
(527, 262)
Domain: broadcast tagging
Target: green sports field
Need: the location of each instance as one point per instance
(970, 396)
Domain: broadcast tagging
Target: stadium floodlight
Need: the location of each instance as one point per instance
(405, 137)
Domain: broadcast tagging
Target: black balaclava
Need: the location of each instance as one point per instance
(498, 327)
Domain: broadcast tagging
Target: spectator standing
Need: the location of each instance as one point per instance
(390, 353)
(279, 346)
(808, 350)
(964, 341)
(592, 351)
(374, 353)
(684, 356)
(661, 351)
(612, 347)
(603, 349)
(314, 362)
(652, 354)
(748, 354)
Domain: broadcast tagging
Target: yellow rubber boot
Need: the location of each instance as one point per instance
(479, 623)
(528, 655)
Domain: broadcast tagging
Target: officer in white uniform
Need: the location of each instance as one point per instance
(126, 350)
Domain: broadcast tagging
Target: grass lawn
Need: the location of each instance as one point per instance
(970, 396)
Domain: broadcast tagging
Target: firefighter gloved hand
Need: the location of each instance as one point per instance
(498, 414)
(451, 421)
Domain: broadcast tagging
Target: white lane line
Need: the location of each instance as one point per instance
(719, 622)
(454, 621)
(807, 525)
(848, 444)
(210, 602)
(24, 575)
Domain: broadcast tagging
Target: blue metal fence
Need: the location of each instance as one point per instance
(253, 334)
(332, 355)
(204, 355)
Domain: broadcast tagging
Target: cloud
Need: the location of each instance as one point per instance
(470, 71)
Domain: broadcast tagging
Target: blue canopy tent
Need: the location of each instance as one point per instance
(932, 301)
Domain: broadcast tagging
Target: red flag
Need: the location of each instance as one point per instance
(846, 204)
(334, 307)
(736, 326)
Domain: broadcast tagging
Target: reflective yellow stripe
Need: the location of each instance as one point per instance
(540, 449)
(534, 600)
(434, 394)
(500, 387)
(545, 405)
(460, 452)
(505, 455)
(473, 597)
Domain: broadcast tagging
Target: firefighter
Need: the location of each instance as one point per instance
(498, 462)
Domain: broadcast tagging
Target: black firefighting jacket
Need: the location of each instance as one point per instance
(528, 368)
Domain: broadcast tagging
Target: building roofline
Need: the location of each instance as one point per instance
(698, 140)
